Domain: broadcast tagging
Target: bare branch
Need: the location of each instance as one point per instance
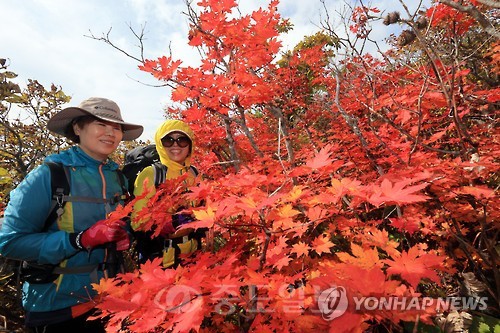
(491, 3)
(277, 112)
(107, 39)
(231, 143)
(243, 124)
(352, 122)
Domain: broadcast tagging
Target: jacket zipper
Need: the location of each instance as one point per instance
(107, 206)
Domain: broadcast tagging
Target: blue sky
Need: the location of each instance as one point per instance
(45, 40)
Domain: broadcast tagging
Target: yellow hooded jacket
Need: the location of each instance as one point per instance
(174, 170)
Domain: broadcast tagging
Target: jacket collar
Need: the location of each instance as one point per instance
(76, 157)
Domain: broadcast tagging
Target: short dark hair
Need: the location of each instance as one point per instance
(81, 122)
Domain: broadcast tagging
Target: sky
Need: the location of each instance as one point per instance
(47, 40)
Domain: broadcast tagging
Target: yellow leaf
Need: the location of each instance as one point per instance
(296, 193)
(287, 211)
(249, 202)
(204, 215)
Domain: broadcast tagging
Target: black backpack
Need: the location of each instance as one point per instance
(138, 158)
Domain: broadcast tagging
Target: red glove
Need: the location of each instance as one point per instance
(123, 242)
(167, 229)
(101, 233)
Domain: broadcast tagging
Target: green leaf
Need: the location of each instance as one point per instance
(485, 324)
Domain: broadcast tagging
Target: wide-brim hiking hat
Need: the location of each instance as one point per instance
(101, 108)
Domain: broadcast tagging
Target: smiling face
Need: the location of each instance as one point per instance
(175, 152)
(98, 138)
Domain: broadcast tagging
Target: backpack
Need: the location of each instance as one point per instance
(33, 272)
(138, 158)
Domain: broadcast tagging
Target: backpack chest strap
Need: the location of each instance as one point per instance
(70, 198)
(60, 186)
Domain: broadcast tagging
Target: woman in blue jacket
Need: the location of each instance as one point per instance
(76, 240)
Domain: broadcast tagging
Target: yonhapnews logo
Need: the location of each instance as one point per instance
(333, 303)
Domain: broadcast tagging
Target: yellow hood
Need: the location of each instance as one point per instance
(169, 126)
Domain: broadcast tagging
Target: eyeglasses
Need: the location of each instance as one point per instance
(182, 141)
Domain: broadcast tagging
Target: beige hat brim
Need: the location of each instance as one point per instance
(60, 121)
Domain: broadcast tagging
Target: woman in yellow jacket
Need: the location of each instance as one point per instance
(174, 142)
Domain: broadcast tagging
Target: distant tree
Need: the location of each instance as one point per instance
(25, 140)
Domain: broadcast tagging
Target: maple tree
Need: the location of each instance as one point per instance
(376, 174)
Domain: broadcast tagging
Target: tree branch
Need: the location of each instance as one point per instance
(491, 3)
(352, 122)
(476, 14)
(106, 39)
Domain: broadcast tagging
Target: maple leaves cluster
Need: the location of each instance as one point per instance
(377, 179)
(443, 15)
(293, 237)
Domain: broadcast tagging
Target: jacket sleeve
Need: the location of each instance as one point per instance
(21, 236)
(144, 182)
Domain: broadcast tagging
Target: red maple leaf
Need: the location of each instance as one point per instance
(414, 266)
(396, 192)
(380, 239)
(406, 224)
(205, 217)
(148, 321)
(301, 249)
(322, 159)
(363, 257)
(280, 261)
(191, 318)
(479, 192)
(257, 278)
(322, 244)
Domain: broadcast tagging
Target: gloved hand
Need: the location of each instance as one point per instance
(180, 219)
(123, 242)
(167, 229)
(177, 220)
(103, 232)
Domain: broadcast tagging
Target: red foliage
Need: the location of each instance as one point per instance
(444, 16)
(366, 180)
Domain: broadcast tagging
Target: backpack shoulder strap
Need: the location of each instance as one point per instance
(194, 170)
(160, 173)
(59, 184)
(121, 179)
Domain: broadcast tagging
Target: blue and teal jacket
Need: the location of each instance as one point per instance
(22, 237)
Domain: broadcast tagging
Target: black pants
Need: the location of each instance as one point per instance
(76, 325)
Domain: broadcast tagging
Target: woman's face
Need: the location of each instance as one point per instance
(99, 138)
(175, 152)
